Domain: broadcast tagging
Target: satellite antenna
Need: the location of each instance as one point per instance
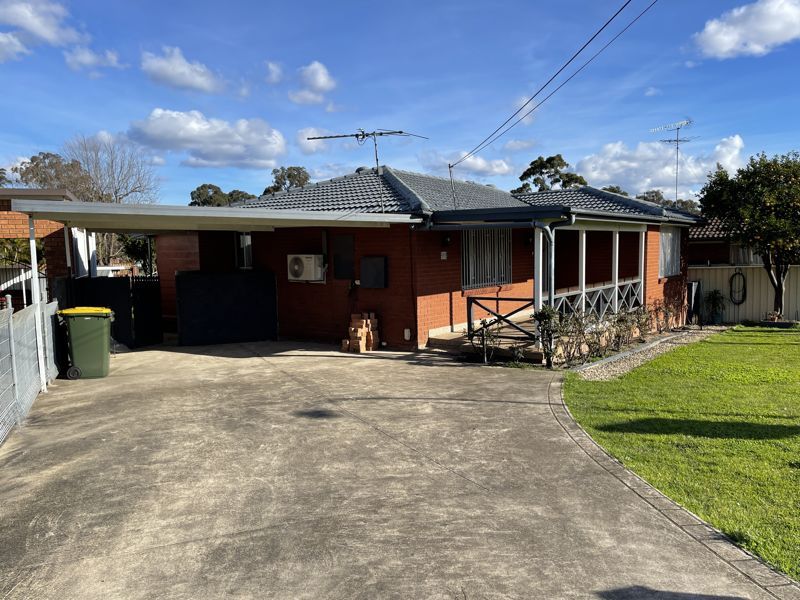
(361, 136)
(677, 140)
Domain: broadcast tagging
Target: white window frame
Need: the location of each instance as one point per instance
(485, 258)
(244, 250)
(669, 256)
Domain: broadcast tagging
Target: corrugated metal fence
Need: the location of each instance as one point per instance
(760, 294)
(19, 364)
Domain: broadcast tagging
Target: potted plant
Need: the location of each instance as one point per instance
(715, 306)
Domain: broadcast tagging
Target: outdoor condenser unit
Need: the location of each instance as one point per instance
(305, 267)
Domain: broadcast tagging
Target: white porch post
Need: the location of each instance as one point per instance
(537, 268)
(582, 269)
(67, 251)
(642, 237)
(37, 304)
(615, 269)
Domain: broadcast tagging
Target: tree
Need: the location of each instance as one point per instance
(286, 178)
(4, 180)
(209, 194)
(53, 171)
(547, 173)
(615, 189)
(759, 207)
(235, 196)
(657, 197)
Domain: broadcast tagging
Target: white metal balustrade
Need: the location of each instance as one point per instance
(599, 301)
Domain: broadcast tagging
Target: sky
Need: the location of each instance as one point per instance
(223, 92)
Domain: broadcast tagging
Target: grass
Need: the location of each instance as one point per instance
(716, 426)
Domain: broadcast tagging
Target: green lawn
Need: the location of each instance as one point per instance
(716, 426)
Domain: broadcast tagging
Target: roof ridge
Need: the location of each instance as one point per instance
(312, 184)
(405, 190)
(630, 201)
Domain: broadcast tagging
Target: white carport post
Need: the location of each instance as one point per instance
(37, 304)
(67, 251)
(582, 269)
(537, 268)
(615, 268)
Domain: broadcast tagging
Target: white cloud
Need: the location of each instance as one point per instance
(474, 165)
(81, 57)
(174, 70)
(246, 143)
(651, 165)
(306, 97)
(311, 146)
(41, 20)
(331, 170)
(332, 108)
(652, 91)
(274, 72)
(751, 30)
(517, 145)
(11, 47)
(245, 89)
(317, 81)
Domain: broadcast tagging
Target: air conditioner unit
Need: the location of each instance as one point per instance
(305, 267)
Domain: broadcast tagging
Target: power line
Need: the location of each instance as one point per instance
(491, 140)
(549, 81)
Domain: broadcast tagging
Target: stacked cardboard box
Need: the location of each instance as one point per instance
(363, 333)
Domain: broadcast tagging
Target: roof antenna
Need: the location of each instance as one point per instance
(361, 137)
(452, 186)
(677, 140)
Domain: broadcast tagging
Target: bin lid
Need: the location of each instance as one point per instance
(89, 311)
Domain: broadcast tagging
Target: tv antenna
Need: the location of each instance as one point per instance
(677, 140)
(362, 136)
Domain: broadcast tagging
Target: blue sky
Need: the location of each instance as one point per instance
(220, 93)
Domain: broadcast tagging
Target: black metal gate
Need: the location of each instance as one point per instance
(136, 302)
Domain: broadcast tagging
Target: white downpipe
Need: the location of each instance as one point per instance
(37, 303)
(537, 268)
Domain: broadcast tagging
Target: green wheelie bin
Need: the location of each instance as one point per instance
(89, 330)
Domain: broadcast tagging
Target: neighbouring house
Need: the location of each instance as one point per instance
(717, 263)
(438, 245)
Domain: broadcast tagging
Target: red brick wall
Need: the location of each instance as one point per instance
(670, 291)
(440, 300)
(174, 252)
(321, 311)
(14, 225)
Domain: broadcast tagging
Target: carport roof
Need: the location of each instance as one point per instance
(155, 218)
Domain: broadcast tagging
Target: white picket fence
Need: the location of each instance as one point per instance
(20, 382)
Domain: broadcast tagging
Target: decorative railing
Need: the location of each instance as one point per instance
(599, 300)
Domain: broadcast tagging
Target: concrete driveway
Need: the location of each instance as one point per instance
(270, 471)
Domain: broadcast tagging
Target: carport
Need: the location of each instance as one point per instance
(159, 219)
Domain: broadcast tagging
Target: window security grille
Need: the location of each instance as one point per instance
(485, 258)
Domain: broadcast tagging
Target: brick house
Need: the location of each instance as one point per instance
(412, 248)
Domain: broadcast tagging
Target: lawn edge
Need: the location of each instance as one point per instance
(753, 567)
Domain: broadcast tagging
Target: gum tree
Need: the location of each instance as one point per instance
(759, 207)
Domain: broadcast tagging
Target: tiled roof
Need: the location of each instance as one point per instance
(591, 199)
(711, 230)
(369, 190)
(362, 191)
(437, 192)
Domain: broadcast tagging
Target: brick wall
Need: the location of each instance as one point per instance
(440, 301)
(14, 225)
(174, 252)
(670, 291)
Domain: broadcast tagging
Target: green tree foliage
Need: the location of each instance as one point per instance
(53, 171)
(209, 194)
(136, 247)
(235, 196)
(657, 197)
(548, 173)
(759, 207)
(4, 180)
(286, 178)
(615, 189)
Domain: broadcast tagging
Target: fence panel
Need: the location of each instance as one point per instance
(8, 405)
(760, 294)
(26, 358)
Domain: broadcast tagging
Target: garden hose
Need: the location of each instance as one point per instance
(738, 288)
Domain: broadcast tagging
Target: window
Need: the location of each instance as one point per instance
(244, 251)
(344, 257)
(485, 258)
(670, 257)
